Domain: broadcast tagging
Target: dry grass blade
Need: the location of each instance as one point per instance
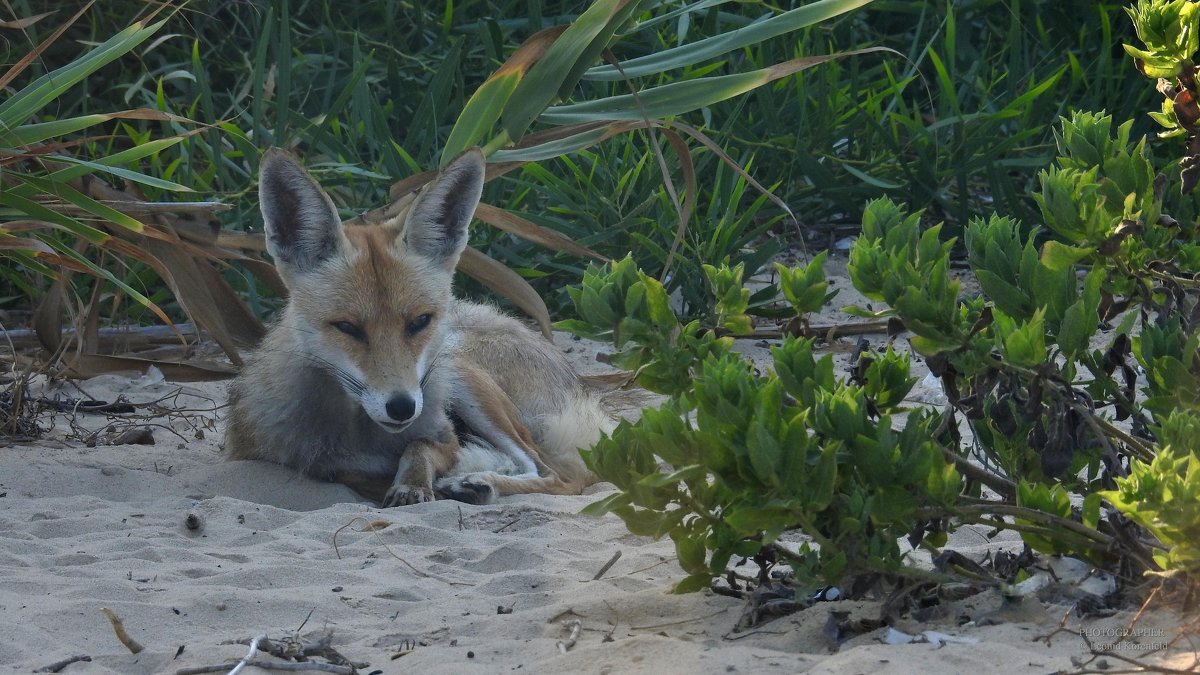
(523, 228)
(23, 244)
(407, 186)
(716, 150)
(33, 54)
(191, 286)
(683, 207)
(266, 273)
(202, 293)
(47, 317)
(22, 24)
(243, 325)
(691, 194)
(90, 365)
(244, 241)
(507, 283)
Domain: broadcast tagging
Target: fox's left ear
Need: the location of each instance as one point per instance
(436, 226)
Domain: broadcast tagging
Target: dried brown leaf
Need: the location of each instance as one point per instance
(691, 193)
(507, 283)
(22, 24)
(90, 365)
(190, 287)
(47, 318)
(33, 54)
(530, 231)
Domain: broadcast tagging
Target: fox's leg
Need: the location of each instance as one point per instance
(422, 461)
(485, 486)
(488, 412)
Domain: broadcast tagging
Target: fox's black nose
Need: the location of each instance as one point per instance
(401, 407)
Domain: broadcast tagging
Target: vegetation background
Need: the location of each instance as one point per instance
(940, 133)
(367, 93)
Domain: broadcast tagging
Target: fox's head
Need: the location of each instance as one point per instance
(370, 302)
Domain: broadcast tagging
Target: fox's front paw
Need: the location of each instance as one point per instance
(473, 488)
(403, 495)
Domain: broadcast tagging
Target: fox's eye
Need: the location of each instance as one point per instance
(419, 324)
(350, 329)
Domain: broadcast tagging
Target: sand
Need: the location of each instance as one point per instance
(441, 587)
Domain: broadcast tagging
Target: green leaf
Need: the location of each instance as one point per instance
(823, 479)
(487, 104)
(1081, 320)
(606, 505)
(1007, 297)
(18, 108)
(690, 550)
(1057, 256)
(750, 520)
(717, 45)
(681, 97)
(1091, 510)
(692, 583)
(643, 522)
(869, 179)
(1026, 344)
(544, 81)
(558, 146)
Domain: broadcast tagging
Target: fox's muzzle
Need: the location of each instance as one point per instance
(394, 412)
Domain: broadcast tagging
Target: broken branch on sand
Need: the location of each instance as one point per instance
(119, 629)
(271, 665)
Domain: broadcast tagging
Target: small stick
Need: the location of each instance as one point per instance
(119, 629)
(681, 621)
(392, 553)
(507, 525)
(59, 665)
(305, 621)
(576, 627)
(271, 665)
(753, 632)
(650, 567)
(608, 565)
(249, 655)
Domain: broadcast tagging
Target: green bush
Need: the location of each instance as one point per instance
(749, 456)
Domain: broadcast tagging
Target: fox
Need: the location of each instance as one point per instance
(376, 376)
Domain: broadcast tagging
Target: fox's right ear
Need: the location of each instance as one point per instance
(303, 227)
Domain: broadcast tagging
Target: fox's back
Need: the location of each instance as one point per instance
(533, 372)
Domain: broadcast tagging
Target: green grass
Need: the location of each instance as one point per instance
(368, 93)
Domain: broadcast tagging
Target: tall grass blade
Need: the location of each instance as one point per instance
(544, 81)
(26, 103)
(682, 97)
(717, 45)
(488, 102)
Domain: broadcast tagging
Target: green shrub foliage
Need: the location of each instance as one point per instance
(737, 457)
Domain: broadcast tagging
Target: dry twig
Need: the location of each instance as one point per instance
(119, 628)
(576, 627)
(57, 666)
(271, 665)
(607, 566)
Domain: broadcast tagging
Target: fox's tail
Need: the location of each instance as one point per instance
(599, 408)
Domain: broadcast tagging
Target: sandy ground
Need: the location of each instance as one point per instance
(440, 587)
